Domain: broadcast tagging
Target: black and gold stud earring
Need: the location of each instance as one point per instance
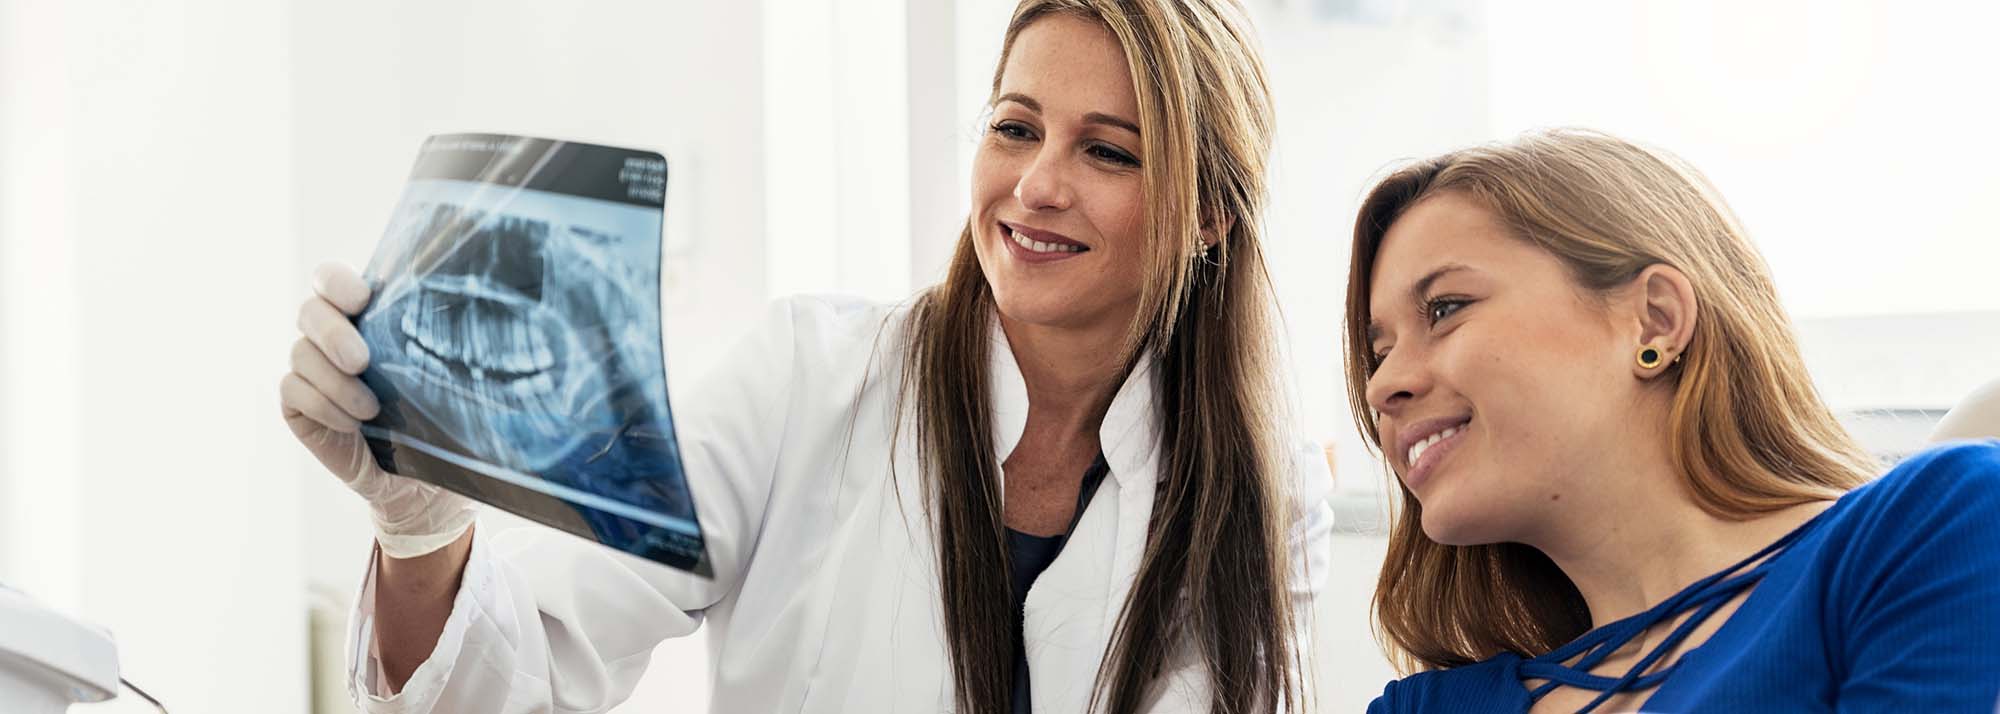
(1649, 357)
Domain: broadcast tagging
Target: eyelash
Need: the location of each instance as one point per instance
(1431, 307)
(1115, 156)
(1014, 131)
(1006, 129)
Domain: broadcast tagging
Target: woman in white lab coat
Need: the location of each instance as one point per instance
(1063, 478)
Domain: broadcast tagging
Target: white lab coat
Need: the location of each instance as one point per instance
(825, 590)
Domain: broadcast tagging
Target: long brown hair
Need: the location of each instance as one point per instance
(1749, 434)
(1215, 571)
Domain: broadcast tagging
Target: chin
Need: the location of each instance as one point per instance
(1458, 527)
(1040, 307)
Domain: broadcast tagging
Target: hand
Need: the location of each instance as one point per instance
(324, 402)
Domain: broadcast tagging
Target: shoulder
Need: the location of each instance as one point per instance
(1935, 514)
(803, 351)
(1491, 685)
(1974, 462)
(835, 320)
(820, 337)
(1911, 564)
(1956, 478)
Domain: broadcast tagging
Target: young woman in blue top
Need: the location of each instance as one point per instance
(1620, 490)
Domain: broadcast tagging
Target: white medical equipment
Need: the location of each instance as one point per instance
(48, 661)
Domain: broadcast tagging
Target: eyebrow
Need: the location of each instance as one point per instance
(1423, 285)
(1091, 118)
(1021, 99)
(1108, 120)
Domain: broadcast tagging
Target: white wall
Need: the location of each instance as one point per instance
(1853, 137)
(840, 142)
(145, 270)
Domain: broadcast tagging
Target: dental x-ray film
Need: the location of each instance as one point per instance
(514, 339)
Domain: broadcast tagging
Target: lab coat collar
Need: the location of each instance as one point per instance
(1071, 610)
(1131, 426)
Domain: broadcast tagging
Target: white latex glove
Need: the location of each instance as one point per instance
(324, 402)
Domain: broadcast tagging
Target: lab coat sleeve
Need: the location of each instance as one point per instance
(1312, 561)
(545, 622)
(1184, 687)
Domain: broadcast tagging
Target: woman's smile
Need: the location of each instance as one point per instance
(1423, 456)
(1031, 245)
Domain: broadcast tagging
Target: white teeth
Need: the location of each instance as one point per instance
(1040, 247)
(543, 358)
(1417, 450)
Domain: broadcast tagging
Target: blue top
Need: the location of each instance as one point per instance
(1887, 601)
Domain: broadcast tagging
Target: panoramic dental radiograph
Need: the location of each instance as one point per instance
(515, 340)
(488, 330)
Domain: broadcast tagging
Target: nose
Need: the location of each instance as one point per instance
(1400, 379)
(1044, 185)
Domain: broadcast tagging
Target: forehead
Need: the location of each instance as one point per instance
(1440, 230)
(1063, 59)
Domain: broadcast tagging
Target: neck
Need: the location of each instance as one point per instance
(1071, 374)
(1635, 537)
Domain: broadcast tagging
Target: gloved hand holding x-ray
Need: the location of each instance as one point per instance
(515, 331)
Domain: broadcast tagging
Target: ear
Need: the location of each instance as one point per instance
(1213, 231)
(1664, 301)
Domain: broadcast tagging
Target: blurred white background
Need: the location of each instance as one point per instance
(170, 171)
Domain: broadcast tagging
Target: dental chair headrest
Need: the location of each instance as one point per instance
(1977, 417)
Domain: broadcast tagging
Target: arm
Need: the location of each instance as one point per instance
(422, 589)
(538, 621)
(1922, 609)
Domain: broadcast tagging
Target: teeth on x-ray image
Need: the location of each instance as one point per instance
(516, 333)
(482, 327)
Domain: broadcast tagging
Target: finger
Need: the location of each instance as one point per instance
(342, 287)
(299, 397)
(344, 390)
(335, 337)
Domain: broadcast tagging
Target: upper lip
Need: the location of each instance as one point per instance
(1042, 235)
(1408, 436)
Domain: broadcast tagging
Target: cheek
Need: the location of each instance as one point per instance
(993, 181)
(1563, 401)
(1124, 214)
(1116, 209)
(1127, 211)
(1524, 386)
(993, 177)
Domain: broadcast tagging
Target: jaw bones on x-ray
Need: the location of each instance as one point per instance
(481, 332)
(515, 335)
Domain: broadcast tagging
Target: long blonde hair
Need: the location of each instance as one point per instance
(1214, 576)
(1749, 433)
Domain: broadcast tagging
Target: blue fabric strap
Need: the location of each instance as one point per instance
(1704, 597)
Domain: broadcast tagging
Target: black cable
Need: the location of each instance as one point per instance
(143, 695)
